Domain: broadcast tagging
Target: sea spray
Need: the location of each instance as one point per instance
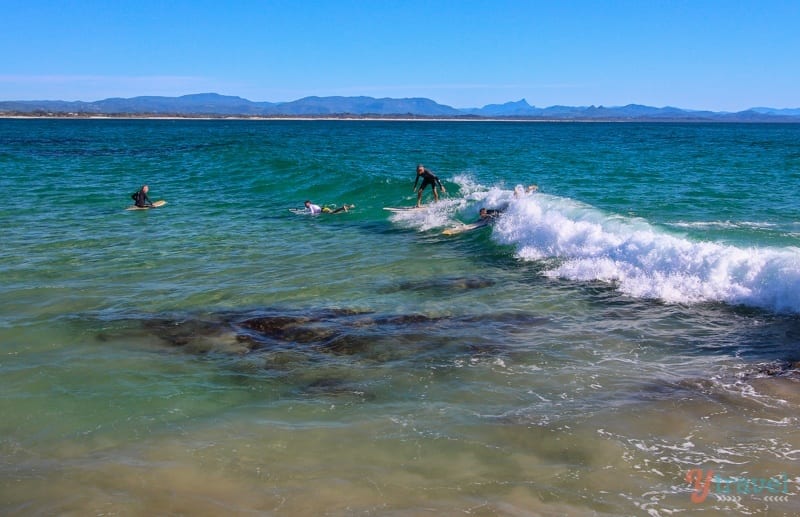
(646, 261)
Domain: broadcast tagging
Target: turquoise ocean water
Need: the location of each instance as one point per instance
(632, 322)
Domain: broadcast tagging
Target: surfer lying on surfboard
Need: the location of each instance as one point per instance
(485, 218)
(316, 209)
(484, 214)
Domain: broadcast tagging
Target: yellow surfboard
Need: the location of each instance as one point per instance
(156, 204)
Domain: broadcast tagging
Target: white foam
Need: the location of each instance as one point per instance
(640, 259)
(433, 215)
(725, 225)
(645, 261)
(449, 210)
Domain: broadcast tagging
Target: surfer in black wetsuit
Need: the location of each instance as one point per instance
(428, 178)
(140, 198)
(484, 214)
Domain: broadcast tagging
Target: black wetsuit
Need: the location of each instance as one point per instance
(489, 215)
(428, 178)
(141, 199)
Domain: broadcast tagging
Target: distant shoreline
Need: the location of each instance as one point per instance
(213, 106)
(343, 118)
(377, 118)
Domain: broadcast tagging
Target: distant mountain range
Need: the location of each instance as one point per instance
(215, 105)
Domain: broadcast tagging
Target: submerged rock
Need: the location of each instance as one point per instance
(192, 335)
(790, 369)
(286, 339)
(285, 328)
(441, 284)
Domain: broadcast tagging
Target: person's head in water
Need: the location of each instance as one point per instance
(145, 189)
(420, 169)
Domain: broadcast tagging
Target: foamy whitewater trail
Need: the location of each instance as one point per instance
(640, 259)
(645, 261)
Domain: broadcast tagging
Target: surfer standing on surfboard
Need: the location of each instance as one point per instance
(140, 198)
(428, 178)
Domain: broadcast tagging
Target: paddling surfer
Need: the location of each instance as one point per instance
(428, 178)
(140, 198)
(316, 209)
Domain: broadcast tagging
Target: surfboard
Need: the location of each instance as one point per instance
(156, 204)
(325, 210)
(455, 230)
(398, 209)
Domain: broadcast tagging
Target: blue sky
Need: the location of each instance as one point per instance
(720, 55)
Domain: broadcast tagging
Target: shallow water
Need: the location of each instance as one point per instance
(634, 320)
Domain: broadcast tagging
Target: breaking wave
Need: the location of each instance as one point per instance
(579, 242)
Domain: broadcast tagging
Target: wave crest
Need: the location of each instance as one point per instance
(646, 261)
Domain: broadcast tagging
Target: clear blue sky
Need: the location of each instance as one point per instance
(723, 55)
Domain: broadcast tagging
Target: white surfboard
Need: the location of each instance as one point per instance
(461, 228)
(400, 209)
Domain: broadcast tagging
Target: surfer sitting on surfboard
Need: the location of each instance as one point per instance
(316, 209)
(140, 198)
(428, 178)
